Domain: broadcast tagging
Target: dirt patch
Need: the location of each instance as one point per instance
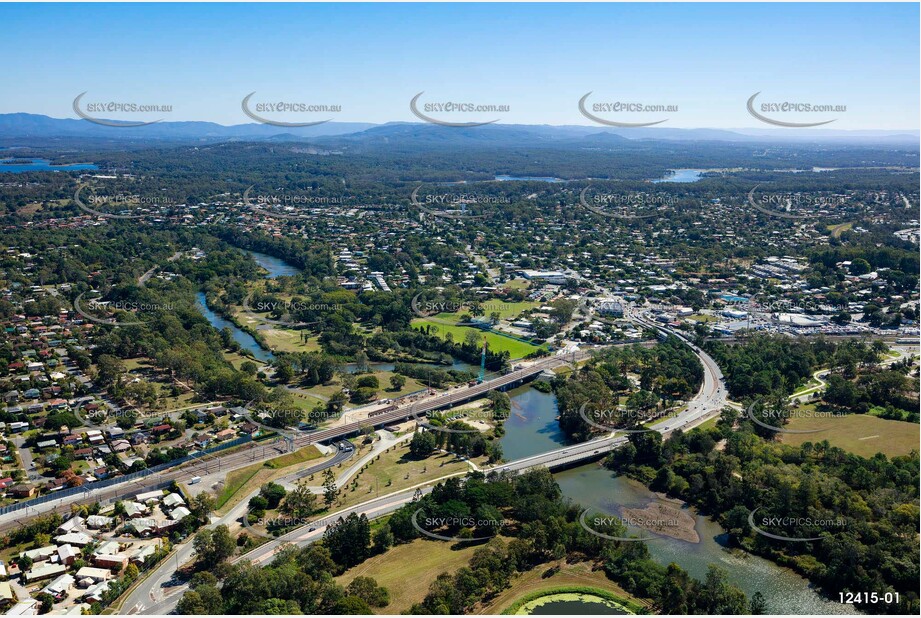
(664, 519)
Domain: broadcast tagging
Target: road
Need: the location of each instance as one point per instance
(253, 453)
(155, 589)
(707, 403)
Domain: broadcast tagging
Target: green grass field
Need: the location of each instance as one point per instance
(496, 343)
(860, 434)
(240, 483)
(396, 470)
(408, 570)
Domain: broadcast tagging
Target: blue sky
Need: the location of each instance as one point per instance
(538, 59)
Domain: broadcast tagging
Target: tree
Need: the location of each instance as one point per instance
(300, 502)
(273, 494)
(213, 546)
(366, 589)
(758, 605)
(330, 491)
(397, 382)
(352, 606)
(423, 444)
(383, 539)
(191, 604)
(201, 506)
(283, 372)
(368, 382)
(46, 600)
(349, 540)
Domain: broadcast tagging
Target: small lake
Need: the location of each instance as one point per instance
(785, 592)
(42, 165)
(682, 175)
(579, 605)
(531, 428)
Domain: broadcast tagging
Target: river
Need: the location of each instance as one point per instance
(276, 268)
(532, 429)
(279, 268)
(246, 341)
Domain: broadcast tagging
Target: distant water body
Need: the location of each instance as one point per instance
(42, 165)
(504, 178)
(684, 175)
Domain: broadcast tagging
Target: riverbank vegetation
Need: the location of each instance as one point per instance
(861, 513)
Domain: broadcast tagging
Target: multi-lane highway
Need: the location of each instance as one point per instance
(252, 453)
(149, 598)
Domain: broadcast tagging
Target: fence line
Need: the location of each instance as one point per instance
(87, 488)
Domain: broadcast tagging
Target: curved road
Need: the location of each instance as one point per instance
(709, 401)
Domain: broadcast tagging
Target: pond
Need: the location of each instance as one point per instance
(276, 268)
(504, 178)
(571, 604)
(246, 341)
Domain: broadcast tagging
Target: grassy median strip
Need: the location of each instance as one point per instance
(240, 483)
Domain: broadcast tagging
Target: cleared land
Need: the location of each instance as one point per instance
(408, 570)
(860, 434)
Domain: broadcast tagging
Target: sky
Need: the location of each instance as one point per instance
(705, 60)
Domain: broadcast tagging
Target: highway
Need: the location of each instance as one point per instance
(151, 597)
(252, 453)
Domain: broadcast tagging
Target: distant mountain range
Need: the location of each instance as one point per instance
(359, 135)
